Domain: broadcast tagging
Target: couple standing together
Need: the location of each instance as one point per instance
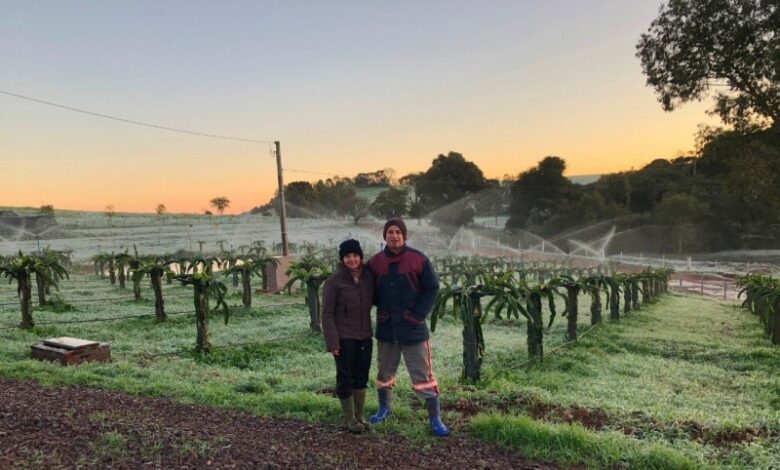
(402, 284)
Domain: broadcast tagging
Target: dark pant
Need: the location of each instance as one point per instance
(352, 365)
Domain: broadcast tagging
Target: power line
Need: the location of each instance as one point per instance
(313, 172)
(137, 123)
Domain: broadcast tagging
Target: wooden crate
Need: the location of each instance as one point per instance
(68, 351)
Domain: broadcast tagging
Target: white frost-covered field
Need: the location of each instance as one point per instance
(89, 233)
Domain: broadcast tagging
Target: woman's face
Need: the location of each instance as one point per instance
(351, 260)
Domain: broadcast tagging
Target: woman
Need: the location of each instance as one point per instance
(346, 323)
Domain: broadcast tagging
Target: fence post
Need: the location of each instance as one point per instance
(701, 278)
(724, 290)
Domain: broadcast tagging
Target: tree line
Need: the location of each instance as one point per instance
(725, 196)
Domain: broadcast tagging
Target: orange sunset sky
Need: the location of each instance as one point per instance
(346, 87)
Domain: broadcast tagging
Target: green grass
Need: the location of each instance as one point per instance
(572, 444)
(682, 374)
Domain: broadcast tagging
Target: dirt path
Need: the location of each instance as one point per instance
(79, 427)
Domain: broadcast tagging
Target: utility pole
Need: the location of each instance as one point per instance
(283, 211)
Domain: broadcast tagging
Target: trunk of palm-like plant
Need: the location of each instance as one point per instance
(202, 342)
(102, 269)
(231, 264)
(121, 272)
(626, 297)
(25, 297)
(595, 306)
(762, 310)
(534, 327)
(614, 302)
(46, 286)
(136, 287)
(635, 294)
(572, 311)
(41, 284)
(313, 301)
(245, 280)
(646, 294)
(473, 342)
(97, 268)
(111, 273)
(159, 303)
(169, 278)
(774, 323)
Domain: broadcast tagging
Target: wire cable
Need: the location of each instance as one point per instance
(230, 345)
(137, 123)
(126, 317)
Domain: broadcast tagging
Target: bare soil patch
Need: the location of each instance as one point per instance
(73, 426)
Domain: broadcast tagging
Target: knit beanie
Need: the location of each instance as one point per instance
(398, 223)
(350, 246)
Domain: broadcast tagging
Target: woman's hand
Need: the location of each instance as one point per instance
(335, 353)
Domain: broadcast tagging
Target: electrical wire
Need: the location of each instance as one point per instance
(230, 345)
(125, 317)
(137, 123)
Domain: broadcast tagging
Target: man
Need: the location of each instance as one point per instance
(404, 293)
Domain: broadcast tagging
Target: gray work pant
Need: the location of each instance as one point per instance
(418, 362)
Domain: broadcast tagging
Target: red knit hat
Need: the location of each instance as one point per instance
(398, 223)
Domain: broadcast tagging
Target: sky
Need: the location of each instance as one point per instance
(345, 86)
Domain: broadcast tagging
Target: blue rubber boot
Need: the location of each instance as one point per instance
(438, 428)
(384, 395)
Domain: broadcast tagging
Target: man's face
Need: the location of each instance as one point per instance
(394, 238)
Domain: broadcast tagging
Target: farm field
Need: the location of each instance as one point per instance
(685, 382)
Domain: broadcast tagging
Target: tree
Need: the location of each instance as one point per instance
(298, 196)
(220, 203)
(374, 179)
(311, 272)
(695, 45)
(680, 211)
(205, 286)
(538, 191)
(250, 265)
(109, 212)
(390, 202)
(446, 189)
(467, 306)
(121, 262)
(449, 179)
(747, 167)
(356, 208)
(416, 207)
(155, 267)
(47, 209)
(19, 268)
(52, 261)
(331, 193)
(160, 210)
